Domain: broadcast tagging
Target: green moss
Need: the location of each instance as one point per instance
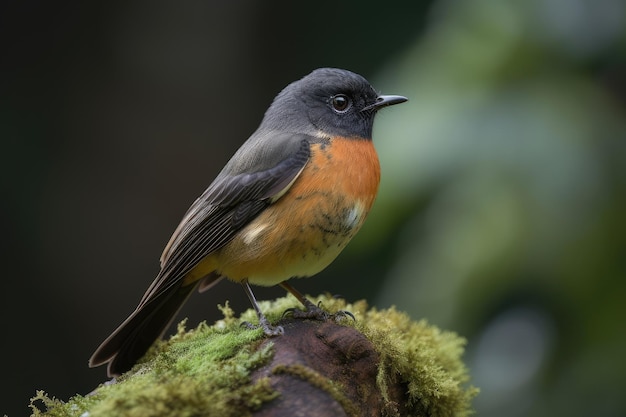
(425, 358)
(206, 371)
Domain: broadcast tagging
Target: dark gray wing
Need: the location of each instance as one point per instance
(230, 202)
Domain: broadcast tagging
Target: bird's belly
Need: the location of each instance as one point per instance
(305, 230)
(296, 242)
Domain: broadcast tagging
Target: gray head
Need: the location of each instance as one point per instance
(328, 101)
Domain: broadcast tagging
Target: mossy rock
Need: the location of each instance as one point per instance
(380, 364)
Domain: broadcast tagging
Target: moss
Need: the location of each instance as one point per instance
(425, 358)
(206, 371)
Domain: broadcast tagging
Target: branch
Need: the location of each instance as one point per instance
(381, 364)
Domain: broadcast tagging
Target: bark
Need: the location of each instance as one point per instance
(324, 369)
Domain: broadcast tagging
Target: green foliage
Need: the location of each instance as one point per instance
(504, 190)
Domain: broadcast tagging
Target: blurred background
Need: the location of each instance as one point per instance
(502, 210)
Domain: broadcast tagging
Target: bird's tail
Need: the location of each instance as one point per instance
(130, 341)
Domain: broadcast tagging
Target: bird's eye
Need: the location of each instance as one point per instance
(340, 103)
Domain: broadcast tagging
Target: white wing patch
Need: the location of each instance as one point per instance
(250, 233)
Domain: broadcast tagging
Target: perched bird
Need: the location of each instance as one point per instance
(284, 206)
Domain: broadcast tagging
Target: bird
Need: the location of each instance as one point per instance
(284, 206)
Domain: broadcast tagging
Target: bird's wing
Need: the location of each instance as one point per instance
(236, 197)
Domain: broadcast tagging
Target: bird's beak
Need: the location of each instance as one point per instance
(384, 101)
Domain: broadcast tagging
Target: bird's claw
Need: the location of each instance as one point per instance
(315, 312)
(342, 314)
(268, 329)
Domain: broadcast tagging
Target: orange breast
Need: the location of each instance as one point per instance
(346, 166)
(305, 230)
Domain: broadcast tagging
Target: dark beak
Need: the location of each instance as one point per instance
(384, 101)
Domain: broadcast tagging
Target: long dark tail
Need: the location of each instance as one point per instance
(130, 341)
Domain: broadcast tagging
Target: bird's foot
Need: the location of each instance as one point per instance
(315, 312)
(264, 324)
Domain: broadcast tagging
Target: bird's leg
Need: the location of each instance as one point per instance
(268, 329)
(311, 311)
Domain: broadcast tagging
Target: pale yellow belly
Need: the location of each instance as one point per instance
(286, 243)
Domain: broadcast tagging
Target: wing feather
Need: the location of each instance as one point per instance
(230, 202)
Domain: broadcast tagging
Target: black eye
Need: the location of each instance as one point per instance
(340, 103)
